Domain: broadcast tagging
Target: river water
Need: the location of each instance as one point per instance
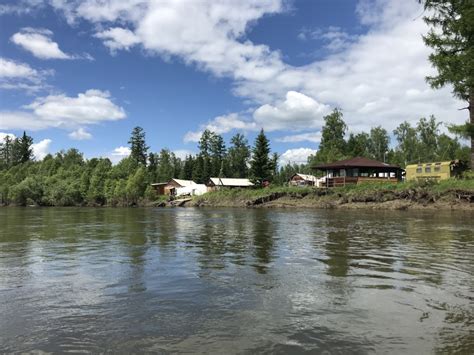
(236, 281)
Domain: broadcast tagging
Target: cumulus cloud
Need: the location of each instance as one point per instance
(80, 135)
(41, 149)
(38, 41)
(3, 135)
(17, 75)
(372, 77)
(297, 111)
(220, 125)
(117, 38)
(183, 153)
(119, 153)
(90, 107)
(296, 156)
(314, 137)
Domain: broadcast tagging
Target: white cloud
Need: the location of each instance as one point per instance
(183, 153)
(80, 135)
(3, 135)
(118, 38)
(41, 149)
(372, 77)
(314, 137)
(91, 107)
(298, 111)
(220, 125)
(298, 156)
(38, 41)
(119, 153)
(17, 75)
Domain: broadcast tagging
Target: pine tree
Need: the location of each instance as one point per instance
(139, 149)
(25, 149)
(218, 154)
(452, 39)
(333, 145)
(261, 165)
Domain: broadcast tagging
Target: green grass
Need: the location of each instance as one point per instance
(239, 196)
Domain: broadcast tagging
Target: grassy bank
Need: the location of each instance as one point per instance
(449, 194)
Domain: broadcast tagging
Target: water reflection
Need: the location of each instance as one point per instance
(202, 280)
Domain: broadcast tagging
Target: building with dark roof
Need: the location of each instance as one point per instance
(358, 170)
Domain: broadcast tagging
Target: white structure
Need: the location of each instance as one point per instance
(191, 190)
(229, 182)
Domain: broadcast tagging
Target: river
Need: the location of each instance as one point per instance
(236, 281)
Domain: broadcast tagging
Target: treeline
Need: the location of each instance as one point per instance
(414, 144)
(67, 179)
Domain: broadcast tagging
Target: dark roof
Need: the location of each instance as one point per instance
(357, 162)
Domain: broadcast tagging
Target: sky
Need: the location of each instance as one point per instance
(83, 73)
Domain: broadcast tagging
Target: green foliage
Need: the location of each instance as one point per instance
(261, 166)
(239, 156)
(451, 38)
(138, 146)
(333, 145)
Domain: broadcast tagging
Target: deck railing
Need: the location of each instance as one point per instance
(341, 181)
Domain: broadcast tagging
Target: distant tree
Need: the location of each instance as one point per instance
(428, 131)
(452, 39)
(333, 145)
(165, 166)
(138, 147)
(136, 186)
(378, 143)
(238, 156)
(408, 145)
(188, 167)
(6, 152)
(21, 149)
(358, 145)
(152, 166)
(261, 165)
(199, 175)
(218, 155)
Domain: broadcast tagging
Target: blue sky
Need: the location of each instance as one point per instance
(84, 73)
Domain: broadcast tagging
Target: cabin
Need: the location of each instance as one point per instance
(435, 171)
(216, 183)
(358, 170)
(179, 187)
(303, 180)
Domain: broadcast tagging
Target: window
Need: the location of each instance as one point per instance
(437, 167)
(428, 168)
(419, 169)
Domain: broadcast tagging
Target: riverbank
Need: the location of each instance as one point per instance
(446, 195)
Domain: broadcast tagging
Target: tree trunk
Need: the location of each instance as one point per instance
(471, 121)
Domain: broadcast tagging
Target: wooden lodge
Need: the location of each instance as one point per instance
(358, 170)
(435, 171)
(216, 183)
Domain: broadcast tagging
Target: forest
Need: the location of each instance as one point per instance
(68, 179)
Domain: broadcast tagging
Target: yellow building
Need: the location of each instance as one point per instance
(437, 170)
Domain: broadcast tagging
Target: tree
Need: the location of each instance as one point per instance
(188, 167)
(333, 145)
(261, 166)
(378, 143)
(238, 156)
(25, 149)
(452, 40)
(358, 145)
(407, 147)
(428, 131)
(218, 154)
(138, 146)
